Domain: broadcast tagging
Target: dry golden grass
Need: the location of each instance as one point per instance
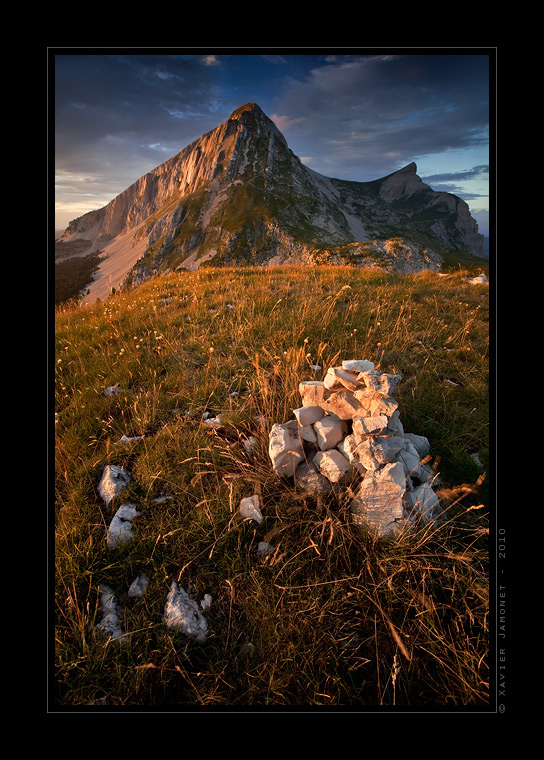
(334, 617)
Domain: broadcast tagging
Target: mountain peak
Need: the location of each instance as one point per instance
(247, 107)
(238, 194)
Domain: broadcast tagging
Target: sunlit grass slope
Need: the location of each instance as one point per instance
(334, 618)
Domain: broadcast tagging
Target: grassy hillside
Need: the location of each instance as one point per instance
(335, 617)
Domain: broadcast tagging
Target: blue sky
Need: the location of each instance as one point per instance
(356, 114)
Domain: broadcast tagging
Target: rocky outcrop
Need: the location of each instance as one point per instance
(348, 438)
(238, 195)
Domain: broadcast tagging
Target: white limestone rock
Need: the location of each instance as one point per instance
(121, 529)
(308, 434)
(307, 415)
(423, 502)
(333, 465)
(376, 451)
(329, 431)
(138, 586)
(250, 508)
(409, 457)
(265, 549)
(357, 365)
(381, 382)
(348, 447)
(343, 404)
(109, 625)
(395, 426)
(338, 378)
(129, 439)
(183, 614)
(376, 403)
(420, 443)
(363, 426)
(284, 448)
(378, 504)
(309, 478)
(113, 390)
(114, 479)
(313, 392)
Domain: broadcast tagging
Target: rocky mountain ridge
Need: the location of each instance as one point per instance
(239, 195)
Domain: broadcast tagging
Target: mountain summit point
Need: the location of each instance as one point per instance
(239, 196)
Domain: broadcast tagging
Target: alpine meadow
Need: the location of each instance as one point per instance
(196, 565)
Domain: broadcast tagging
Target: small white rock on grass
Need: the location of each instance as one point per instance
(114, 479)
(183, 614)
(109, 624)
(121, 529)
(250, 508)
(138, 586)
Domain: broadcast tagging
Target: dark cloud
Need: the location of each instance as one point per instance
(359, 117)
(478, 172)
(369, 115)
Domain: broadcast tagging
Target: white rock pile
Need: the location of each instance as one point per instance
(348, 437)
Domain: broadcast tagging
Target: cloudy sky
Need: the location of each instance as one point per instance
(354, 114)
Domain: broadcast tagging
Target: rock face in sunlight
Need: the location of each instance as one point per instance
(238, 195)
(348, 438)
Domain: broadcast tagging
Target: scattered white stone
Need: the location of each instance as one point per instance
(249, 444)
(250, 508)
(212, 421)
(183, 614)
(285, 449)
(127, 439)
(475, 456)
(206, 602)
(138, 586)
(264, 549)
(109, 624)
(114, 479)
(113, 390)
(479, 280)
(121, 530)
(162, 499)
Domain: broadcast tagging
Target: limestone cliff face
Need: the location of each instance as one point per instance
(239, 195)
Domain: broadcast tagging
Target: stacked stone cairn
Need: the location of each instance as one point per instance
(347, 437)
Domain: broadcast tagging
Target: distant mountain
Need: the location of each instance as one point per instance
(239, 195)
